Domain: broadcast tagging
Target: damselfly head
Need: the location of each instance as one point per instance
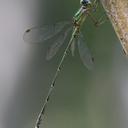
(85, 2)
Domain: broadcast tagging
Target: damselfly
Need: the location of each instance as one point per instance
(59, 32)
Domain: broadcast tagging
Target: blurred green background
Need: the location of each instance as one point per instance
(82, 98)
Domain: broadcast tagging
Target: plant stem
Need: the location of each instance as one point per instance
(117, 11)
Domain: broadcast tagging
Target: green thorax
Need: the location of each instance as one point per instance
(79, 17)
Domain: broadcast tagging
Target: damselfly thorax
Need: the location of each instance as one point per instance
(80, 17)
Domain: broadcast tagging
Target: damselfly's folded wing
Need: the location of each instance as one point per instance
(54, 48)
(41, 34)
(84, 52)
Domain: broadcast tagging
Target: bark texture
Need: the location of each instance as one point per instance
(117, 11)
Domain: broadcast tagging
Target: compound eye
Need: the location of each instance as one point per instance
(81, 2)
(85, 2)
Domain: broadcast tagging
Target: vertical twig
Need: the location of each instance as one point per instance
(117, 11)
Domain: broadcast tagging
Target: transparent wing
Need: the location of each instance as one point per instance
(85, 54)
(57, 44)
(41, 34)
